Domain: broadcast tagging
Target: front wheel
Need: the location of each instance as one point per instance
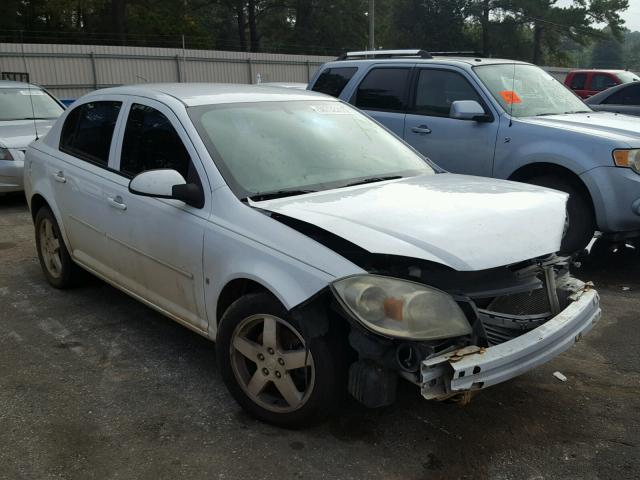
(580, 222)
(272, 371)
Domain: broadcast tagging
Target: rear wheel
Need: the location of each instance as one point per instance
(580, 223)
(55, 260)
(271, 369)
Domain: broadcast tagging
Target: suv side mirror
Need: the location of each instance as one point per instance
(167, 183)
(468, 110)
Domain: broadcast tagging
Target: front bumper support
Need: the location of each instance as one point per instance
(473, 368)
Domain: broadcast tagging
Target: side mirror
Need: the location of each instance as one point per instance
(167, 183)
(468, 110)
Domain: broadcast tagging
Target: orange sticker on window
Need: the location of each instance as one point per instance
(510, 97)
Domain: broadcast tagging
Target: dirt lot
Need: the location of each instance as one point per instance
(95, 385)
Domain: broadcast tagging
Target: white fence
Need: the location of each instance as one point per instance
(70, 71)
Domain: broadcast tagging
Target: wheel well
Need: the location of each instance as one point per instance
(233, 291)
(37, 202)
(541, 169)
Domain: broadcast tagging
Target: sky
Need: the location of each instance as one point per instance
(631, 16)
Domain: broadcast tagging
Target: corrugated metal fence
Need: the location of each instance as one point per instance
(70, 71)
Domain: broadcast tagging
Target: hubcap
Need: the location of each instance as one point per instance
(271, 363)
(50, 248)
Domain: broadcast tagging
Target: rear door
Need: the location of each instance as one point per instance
(156, 244)
(79, 174)
(383, 94)
(459, 146)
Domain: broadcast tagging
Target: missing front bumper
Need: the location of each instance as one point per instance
(474, 368)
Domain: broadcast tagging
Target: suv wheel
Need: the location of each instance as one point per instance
(272, 371)
(580, 225)
(55, 260)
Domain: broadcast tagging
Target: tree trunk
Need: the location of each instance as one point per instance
(253, 26)
(118, 19)
(304, 12)
(242, 39)
(538, 31)
(484, 22)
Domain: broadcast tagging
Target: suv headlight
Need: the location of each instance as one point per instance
(5, 154)
(629, 158)
(400, 308)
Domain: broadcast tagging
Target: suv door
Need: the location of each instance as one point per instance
(600, 81)
(78, 176)
(383, 94)
(157, 244)
(459, 146)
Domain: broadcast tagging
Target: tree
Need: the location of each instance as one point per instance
(607, 53)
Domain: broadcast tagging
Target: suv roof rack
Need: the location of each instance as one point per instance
(385, 54)
(460, 53)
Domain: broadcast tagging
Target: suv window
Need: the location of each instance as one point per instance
(383, 89)
(601, 81)
(88, 130)
(578, 81)
(333, 80)
(150, 142)
(436, 90)
(625, 96)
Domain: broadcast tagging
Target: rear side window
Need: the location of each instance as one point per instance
(150, 142)
(333, 80)
(383, 89)
(436, 90)
(601, 81)
(578, 81)
(88, 130)
(625, 96)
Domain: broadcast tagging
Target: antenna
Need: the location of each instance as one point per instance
(33, 110)
(513, 94)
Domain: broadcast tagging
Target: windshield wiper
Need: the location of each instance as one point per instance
(372, 180)
(258, 197)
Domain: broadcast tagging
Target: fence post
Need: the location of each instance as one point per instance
(308, 71)
(178, 69)
(95, 72)
(250, 70)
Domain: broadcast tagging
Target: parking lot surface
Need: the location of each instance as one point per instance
(94, 384)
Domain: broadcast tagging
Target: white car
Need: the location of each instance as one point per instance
(26, 112)
(317, 249)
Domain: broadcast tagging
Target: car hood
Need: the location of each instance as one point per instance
(467, 223)
(20, 133)
(601, 124)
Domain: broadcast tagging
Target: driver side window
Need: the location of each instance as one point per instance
(150, 142)
(436, 90)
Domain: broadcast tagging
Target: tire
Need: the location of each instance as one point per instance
(257, 377)
(581, 218)
(56, 263)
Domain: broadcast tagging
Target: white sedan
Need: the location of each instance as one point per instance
(318, 250)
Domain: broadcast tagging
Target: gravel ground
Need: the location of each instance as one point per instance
(95, 385)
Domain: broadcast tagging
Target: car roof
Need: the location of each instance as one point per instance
(194, 94)
(461, 61)
(596, 70)
(13, 84)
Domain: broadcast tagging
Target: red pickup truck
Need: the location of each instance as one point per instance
(589, 82)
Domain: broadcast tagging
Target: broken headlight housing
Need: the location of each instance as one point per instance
(401, 309)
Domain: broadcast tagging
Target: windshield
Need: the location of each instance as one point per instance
(300, 146)
(15, 104)
(527, 90)
(627, 77)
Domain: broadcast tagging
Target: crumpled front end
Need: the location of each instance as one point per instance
(535, 340)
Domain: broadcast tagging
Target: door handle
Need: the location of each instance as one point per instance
(422, 130)
(59, 177)
(116, 202)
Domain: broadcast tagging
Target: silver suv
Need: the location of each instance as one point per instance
(502, 119)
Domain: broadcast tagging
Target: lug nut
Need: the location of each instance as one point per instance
(260, 357)
(281, 361)
(278, 375)
(265, 371)
(270, 350)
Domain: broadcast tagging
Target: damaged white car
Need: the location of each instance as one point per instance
(317, 249)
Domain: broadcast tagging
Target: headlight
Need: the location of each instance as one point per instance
(627, 158)
(5, 154)
(400, 308)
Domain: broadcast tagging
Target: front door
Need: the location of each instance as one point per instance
(459, 146)
(156, 243)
